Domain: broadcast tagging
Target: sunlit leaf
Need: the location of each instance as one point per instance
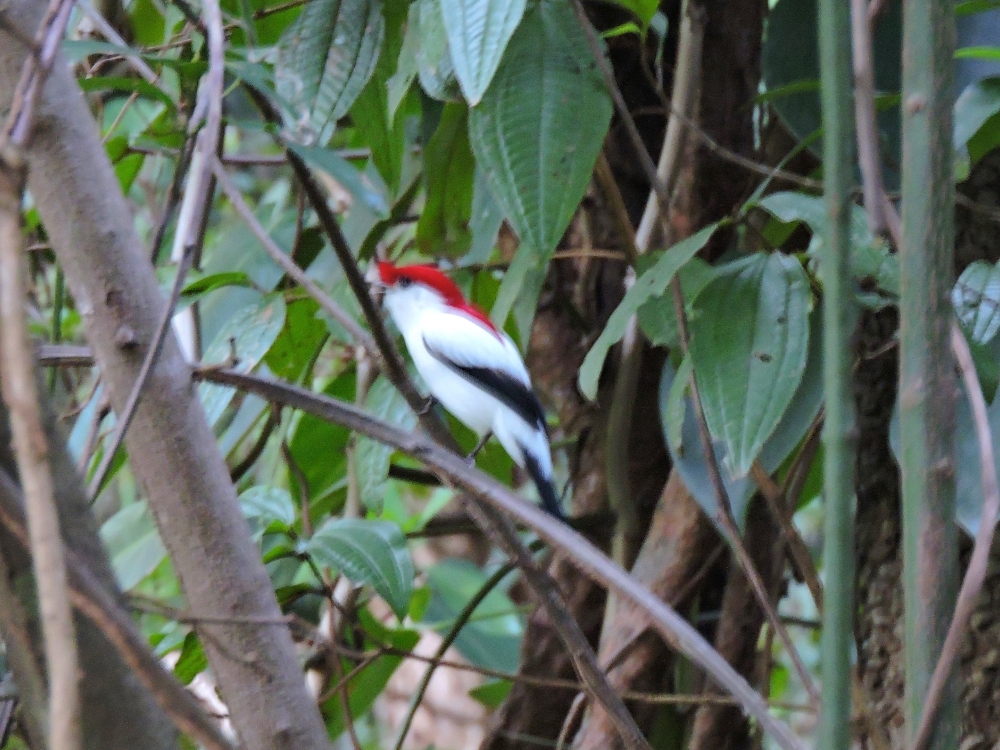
(478, 32)
(372, 552)
(133, 544)
(749, 340)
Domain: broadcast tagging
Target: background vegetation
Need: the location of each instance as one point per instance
(686, 214)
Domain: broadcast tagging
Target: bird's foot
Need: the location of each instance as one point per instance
(428, 407)
(471, 458)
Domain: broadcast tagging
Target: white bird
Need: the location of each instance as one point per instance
(471, 368)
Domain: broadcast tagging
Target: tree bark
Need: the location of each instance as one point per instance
(175, 456)
(118, 712)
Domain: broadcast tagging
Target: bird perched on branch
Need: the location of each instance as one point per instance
(473, 369)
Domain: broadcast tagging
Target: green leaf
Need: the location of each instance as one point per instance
(343, 172)
(133, 544)
(968, 7)
(686, 449)
(295, 349)
(192, 661)
(478, 32)
(267, 505)
(318, 446)
(372, 457)
(325, 59)
(216, 281)
(644, 10)
(406, 63)
(364, 688)
(977, 53)
(676, 406)
(492, 637)
(976, 298)
(657, 317)
(372, 552)
(382, 131)
(110, 83)
(519, 290)
(449, 173)
(527, 133)
(148, 23)
(651, 284)
(249, 333)
(492, 694)
(434, 65)
(976, 104)
(749, 341)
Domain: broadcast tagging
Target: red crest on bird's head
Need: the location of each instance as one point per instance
(433, 278)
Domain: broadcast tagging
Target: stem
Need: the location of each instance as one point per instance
(839, 431)
(927, 377)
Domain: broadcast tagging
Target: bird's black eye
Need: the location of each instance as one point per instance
(404, 282)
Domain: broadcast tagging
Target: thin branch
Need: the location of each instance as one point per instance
(975, 574)
(674, 628)
(869, 159)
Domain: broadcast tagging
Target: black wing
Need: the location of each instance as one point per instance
(504, 387)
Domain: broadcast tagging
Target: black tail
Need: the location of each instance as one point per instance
(546, 490)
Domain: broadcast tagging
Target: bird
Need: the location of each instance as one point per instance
(471, 368)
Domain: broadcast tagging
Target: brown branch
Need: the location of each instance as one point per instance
(20, 393)
(873, 188)
(675, 629)
(975, 574)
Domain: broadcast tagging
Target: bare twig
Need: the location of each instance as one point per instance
(674, 628)
(873, 188)
(975, 574)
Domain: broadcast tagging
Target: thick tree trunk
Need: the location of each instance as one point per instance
(118, 712)
(175, 456)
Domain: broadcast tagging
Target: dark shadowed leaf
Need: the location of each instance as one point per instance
(449, 172)
(478, 32)
(372, 552)
(749, 341)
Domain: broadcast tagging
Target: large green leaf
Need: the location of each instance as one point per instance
(977, 104)
(528, 134)
(651, 284)
(343, 172)
(372, 457)
(449, 173)
(372, 552)
(478, 32)
(976, 298)
(749, 340)
(266, 505)
(249, 333)
(657, 318)
(325, 59)
(133, 544)
(684, 441)
(644, 10)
